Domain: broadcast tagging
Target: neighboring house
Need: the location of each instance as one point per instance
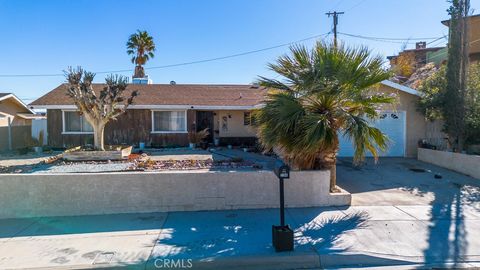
(14, 111)
(418, 57)
(15, 122)
(473, 36)
(163, 114)
(410, 61)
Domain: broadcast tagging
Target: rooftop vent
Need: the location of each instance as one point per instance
(173, 82)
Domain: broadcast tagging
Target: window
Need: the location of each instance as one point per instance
(169, 121)
(247, 118)
(73, 122)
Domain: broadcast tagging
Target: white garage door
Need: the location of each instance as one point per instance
(390, 123)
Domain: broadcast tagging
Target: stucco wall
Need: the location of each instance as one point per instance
(462, 163)
(474, 35)
(417, 126)
(235, 126)
(25, 195)
(3, 120)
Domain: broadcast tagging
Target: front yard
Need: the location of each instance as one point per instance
(146, 160)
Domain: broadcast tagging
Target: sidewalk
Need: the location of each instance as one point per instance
(400, 236)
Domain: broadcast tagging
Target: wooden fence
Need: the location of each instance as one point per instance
(21, 136)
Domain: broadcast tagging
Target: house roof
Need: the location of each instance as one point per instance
(400, 87)
(183, 96)
(30, 116)
(5, 96)
(447, 22)
(167, 95)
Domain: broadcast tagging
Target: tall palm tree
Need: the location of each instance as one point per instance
(141, 46)
(324, 92)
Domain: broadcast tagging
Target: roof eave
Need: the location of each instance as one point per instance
(19, 101)
(400, 87)
(161, 107)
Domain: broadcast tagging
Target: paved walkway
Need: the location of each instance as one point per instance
(8, 159)
(410, 220)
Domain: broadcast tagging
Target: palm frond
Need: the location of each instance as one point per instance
(322, 92)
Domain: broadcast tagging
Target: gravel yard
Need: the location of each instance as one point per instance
(151, 160)
(84, 167)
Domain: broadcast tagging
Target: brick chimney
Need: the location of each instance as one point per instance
(421, 45)
(144, 80)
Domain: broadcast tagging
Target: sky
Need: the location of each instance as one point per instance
(45, 37)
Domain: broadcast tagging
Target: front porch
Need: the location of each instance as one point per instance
(227, 127)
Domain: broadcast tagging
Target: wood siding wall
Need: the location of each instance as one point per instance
(131, 128)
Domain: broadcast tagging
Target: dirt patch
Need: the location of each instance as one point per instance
(155, 165)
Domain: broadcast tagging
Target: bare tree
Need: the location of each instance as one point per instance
(100, 107)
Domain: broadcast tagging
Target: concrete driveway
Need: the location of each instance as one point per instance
(403, 181)
(424, 219)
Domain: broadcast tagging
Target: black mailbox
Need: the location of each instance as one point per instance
(282, 236)
(282, 171)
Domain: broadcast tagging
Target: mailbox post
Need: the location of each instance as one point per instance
(282, 236)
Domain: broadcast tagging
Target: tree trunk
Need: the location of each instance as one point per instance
(333, 178)
(139, 72)
(98, 130)
(327, 160)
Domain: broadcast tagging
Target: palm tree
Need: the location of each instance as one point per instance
(141, 46)
(325, 92)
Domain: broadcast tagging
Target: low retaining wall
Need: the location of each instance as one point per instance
(24, 195)
(462, 163)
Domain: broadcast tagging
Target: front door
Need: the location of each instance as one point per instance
(205, 120)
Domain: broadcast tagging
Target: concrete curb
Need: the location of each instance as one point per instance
(285, 261)
(278, 261)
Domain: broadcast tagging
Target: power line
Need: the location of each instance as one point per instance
(240, 54)
(435, 41)
(177, 64)
(356, 5)
(388, 38)
(338, 4)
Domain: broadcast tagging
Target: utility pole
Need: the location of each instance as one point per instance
(335, 22)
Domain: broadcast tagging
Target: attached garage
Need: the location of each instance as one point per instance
(393, 124)
(401, 122)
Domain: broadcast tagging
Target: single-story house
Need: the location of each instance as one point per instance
(163, 114)
(14, 111)
(15, 122)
